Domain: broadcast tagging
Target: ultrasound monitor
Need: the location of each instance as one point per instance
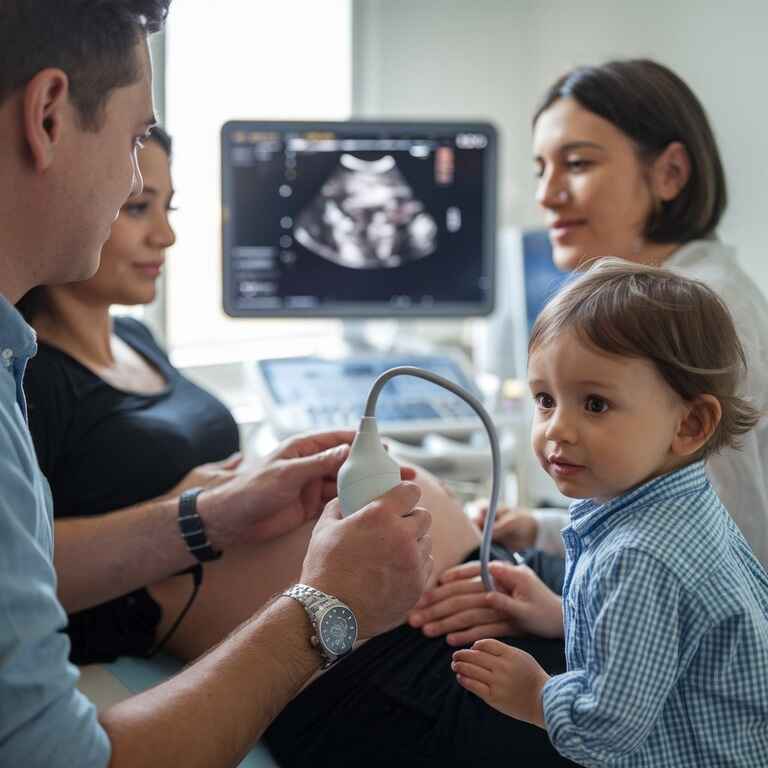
(358, 219)
(541, 278)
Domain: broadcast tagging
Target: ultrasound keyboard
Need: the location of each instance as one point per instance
(314, 393)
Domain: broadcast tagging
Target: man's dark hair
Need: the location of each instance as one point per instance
(92, 41)
(654, 107)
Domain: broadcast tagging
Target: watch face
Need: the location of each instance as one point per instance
(338, 630)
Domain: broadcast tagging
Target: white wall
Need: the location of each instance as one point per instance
(494, 59)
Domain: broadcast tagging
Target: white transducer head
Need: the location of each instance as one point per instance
(368, 472)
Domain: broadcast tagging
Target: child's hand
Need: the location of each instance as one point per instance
(507, 679)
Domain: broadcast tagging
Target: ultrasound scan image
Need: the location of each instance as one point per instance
(366, 217)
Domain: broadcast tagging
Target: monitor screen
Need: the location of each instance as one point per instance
(542, 279)
(358, 219)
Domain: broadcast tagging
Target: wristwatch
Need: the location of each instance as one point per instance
(333, 622)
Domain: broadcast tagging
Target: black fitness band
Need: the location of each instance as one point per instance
(192, 528)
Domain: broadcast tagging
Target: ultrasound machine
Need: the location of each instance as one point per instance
(364, 220)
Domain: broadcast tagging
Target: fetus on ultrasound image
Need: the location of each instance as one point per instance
(366, 216)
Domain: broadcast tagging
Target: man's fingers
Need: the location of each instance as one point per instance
(421, 521)
(407, 473)
(329, 490)
(316, 466)
(332, 510)
(424, 545)
(319, 441)
(427, 566)
(402, 498)
(400, 501)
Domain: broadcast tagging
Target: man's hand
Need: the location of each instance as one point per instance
(460, 608)
(514, 527)
(290, 487)
(507, 679)
(377, 560)
(208, 475)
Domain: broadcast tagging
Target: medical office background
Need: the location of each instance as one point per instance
(419, 59)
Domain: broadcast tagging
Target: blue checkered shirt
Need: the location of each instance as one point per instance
(666, 633)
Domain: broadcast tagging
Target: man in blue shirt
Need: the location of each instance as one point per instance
(75, 102)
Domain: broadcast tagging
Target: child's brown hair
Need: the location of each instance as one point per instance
(682, 326)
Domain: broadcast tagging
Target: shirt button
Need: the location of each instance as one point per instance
(7, 355)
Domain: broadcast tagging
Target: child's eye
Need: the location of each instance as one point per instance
(596, 404)
(544, 401)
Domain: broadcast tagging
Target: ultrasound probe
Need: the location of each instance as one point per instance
(370, 471)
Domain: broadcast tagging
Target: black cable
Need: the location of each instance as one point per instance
(197, 579)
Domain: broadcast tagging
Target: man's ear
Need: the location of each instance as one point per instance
(46, 106)
(697, 426)
(670, 172)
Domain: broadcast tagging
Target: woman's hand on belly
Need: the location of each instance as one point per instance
(462, 609)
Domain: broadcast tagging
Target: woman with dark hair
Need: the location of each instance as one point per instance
(628, 166)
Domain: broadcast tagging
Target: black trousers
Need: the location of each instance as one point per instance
(396, 702)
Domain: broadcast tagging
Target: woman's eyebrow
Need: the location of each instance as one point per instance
(573, 145)
(581, 145)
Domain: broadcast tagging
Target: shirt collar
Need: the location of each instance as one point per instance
(590, 520)
(697, 251)
(17, 340)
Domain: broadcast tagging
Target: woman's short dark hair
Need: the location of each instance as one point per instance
(654, 107)
(91, 40)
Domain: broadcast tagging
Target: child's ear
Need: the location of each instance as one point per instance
(698, 424)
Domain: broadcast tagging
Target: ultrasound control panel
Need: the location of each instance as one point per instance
(314, 393)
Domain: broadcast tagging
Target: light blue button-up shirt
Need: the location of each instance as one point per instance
(666, 633)
(44, 719)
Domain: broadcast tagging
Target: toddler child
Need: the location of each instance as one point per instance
(634, 372)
